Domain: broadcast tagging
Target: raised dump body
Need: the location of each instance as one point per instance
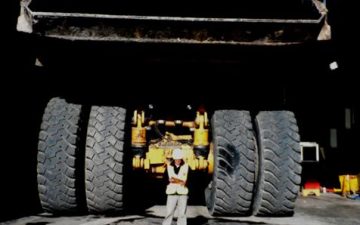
(202, 22)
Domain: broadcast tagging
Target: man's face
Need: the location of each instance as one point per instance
(177, 162)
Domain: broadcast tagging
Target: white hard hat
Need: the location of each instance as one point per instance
(177, 153)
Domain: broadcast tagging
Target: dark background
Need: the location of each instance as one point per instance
(294, 78)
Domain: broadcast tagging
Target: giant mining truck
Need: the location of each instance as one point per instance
(252, 164)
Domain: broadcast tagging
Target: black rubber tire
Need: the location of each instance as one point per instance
(231, 189)
(104, 160)
(57, 150)
(279, 164)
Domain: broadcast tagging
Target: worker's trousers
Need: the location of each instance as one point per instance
(172, 201)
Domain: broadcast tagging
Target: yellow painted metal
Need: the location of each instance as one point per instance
(168, 155)
(169, 123)
(307, 192)
(166, 123)
(138, 133)
(201, 133)
(134, 163)
(201, 137)
(160, 153)
(138, 117)
(202, 119)
(179, 137)
(202, 163)
(146, 164)
(210, 159)
(158, 169)
(206, 119)
(138, 137)
(138, 162)
(189, 124)
(349, 183)
(142, 162)
(134, 117)
(156, 156)
(142, 117)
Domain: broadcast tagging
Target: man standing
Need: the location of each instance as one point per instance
(176, 190)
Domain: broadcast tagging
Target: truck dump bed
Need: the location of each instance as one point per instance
(278, 9)
(261, 22)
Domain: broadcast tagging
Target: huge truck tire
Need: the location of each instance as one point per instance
(231, 190)
(104, 160)
(57, 157)
(279, 164)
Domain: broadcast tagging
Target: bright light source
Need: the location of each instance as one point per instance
(334, 65)
(38, 63)
(151, 106)
(189, 107)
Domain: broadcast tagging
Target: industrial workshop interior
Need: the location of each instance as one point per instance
(180, 112)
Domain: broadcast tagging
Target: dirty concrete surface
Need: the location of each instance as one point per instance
(326, 209)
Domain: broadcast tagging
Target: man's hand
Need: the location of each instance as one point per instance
(177, 181)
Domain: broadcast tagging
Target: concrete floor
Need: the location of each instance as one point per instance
(326, 209)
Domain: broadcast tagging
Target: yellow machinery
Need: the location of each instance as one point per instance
(158, 152)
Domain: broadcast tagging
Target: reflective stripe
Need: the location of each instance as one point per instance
(172, 188)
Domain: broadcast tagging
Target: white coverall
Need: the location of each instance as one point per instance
(176, 195)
